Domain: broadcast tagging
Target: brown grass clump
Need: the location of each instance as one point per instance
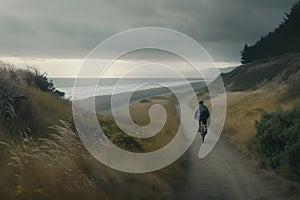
(292, 91)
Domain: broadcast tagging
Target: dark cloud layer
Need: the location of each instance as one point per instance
(72, 28)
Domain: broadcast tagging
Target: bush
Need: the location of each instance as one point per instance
(117, 136)
(39, 80)
(278, 138)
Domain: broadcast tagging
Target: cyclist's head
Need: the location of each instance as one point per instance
(201, 102)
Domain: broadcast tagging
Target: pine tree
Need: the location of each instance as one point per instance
(284, 39)
(243, 54)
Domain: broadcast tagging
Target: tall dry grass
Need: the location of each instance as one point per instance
(245, 107)
(161, 184)
(41, 160)
(29, 101)
(59, 167)
(47, 168)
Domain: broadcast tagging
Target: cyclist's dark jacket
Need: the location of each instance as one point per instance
(203, 114)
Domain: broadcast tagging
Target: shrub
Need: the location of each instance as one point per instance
(39, 80)
(278, 138)
(144, 101)
(117, 136)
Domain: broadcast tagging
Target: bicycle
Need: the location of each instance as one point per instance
(202, 131)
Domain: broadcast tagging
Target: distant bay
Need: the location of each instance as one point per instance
(108, 86)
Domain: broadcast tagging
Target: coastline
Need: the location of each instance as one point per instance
(103, 103)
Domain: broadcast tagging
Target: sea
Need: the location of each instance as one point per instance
(108, 86)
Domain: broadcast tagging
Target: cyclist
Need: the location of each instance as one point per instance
(202, 114)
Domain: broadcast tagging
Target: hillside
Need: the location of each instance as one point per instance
(29, 102)
(262, 117)
(281, 70)
(42, 157)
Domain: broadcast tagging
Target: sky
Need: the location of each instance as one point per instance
(55, 36)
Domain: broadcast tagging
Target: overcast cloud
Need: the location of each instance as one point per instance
(70, 29)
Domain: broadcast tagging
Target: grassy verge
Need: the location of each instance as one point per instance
(245, 108)
(166, 180)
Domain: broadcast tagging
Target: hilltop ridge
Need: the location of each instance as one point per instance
(282, 70)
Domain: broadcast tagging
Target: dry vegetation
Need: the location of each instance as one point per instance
(246, 107)
(41, 156)
(170, 177)
(139, 113)
(168, 131)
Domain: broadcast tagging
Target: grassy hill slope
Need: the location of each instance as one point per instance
(261, 96)
(282, 70)
(41, 156)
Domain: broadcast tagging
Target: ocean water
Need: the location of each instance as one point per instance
(108, 86)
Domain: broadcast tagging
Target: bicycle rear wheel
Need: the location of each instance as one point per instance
(202, 137)
(202, 132)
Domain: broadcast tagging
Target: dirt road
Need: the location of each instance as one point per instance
(223, 174)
